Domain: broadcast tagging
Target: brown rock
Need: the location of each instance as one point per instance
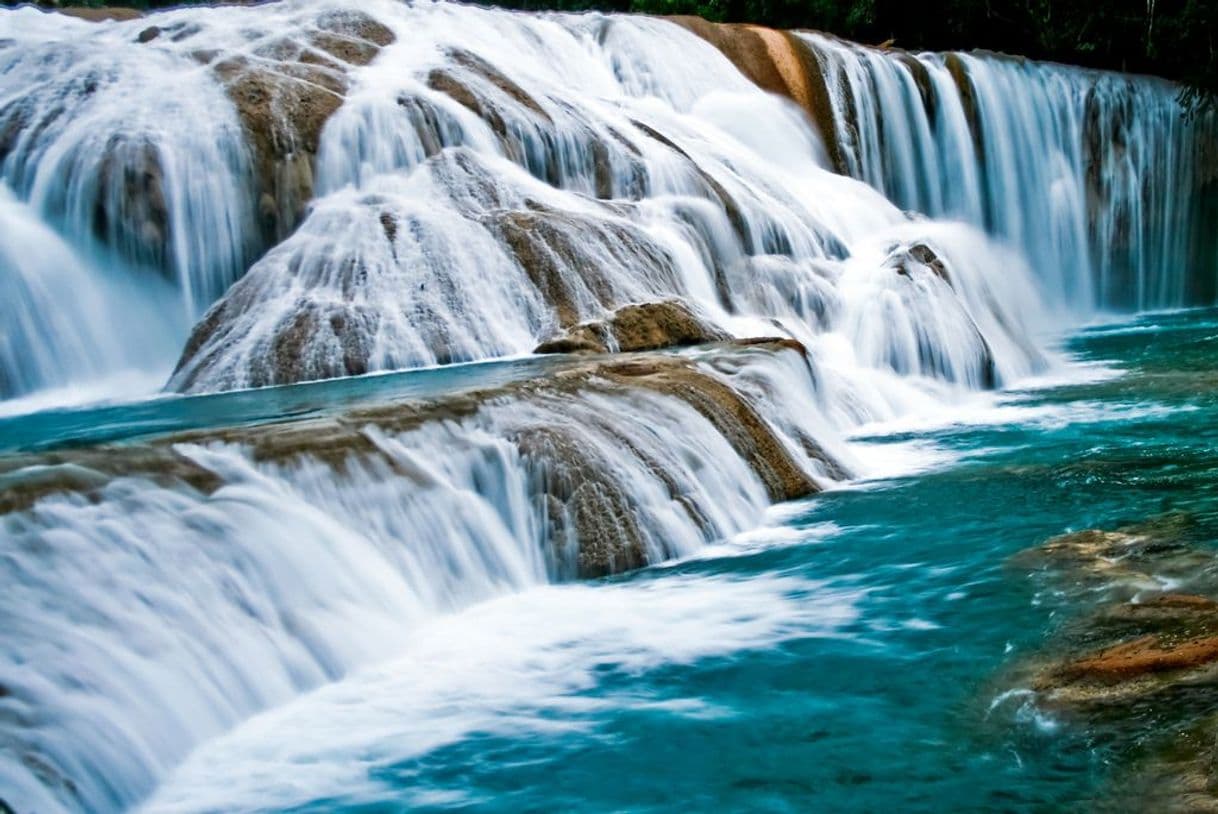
(643, 326)
(97, 15)
(285, 96)
(590, 521)
(730, 414)
(1143, 656)
(778, 62)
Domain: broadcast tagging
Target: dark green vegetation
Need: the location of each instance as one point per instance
(1173, 38)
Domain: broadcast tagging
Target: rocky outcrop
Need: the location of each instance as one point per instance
(97, 15)
(285, 91)
(1167, 644)
(1142, 667)
(732, 416)
(574, 260)
(779, 62)
(644, 326)
(582, 459)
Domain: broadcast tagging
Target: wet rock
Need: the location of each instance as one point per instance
(776, 342)
(97, 15)
(1126, 560)
(644, 326)
(473, 94)
(968, 98)
(778, 62)
(285, 92)
(588, 515)
(925, 255)
(135, 216)
(589, 519)
(1133, 662)
(1140, 671)
(731, 414)
(149, 34)
(576, 261)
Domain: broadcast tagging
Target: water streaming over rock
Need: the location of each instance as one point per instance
(1096, 177)
(333, 192)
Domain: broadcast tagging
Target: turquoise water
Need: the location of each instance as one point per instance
(851, 658)
(94, 423)
(857, 654)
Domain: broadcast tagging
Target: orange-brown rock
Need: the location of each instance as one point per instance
(642, 326)
(97, 15)
(285, 91)
(1143, 656)
(778, 62)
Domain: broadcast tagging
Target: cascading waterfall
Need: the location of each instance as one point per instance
(151, 617)
(332, 192)
(477, 205)
(449, 126)
(1094, 176)
(61, 319)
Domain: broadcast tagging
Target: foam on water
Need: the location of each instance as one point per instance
(518, 665)
(472, 201)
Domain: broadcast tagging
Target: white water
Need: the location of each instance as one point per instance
(150, 619)
(622, 189)
(533, 654)
(107, 324)
(1093, 176)
(636, 173)
(148, 623)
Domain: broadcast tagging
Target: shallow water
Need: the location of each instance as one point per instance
(855, 655)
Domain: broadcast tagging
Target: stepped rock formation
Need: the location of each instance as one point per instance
(300, 191)
(518, 202)
(383, 512)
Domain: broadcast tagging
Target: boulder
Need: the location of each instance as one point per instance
(643, 326)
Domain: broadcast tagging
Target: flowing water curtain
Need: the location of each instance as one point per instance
(147, 637)
(1090, 175)
(628, 178)
(1095, 176)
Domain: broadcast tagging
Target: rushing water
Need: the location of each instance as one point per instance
(224, 624)
(468, 201)
(846, 656)
(845, 659)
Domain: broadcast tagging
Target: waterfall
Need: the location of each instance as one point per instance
(473, 205)
(848, 234)
(63, 321)
(1094, 176)
(159, 612)
(395, 159)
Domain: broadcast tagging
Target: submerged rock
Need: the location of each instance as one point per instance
(1123, 561)
(1166, 643)
(1141, 670)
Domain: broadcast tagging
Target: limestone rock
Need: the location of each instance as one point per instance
(643, 326)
